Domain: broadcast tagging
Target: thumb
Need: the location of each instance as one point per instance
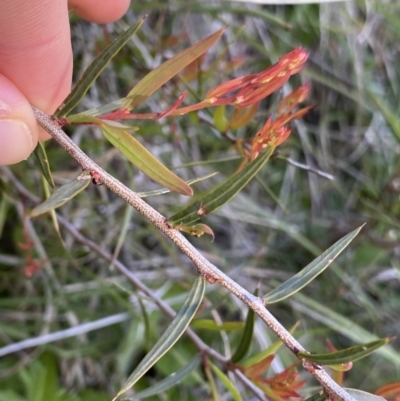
(35, 68)
(18, 128)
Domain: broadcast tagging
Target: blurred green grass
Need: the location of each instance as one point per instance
(270, 231)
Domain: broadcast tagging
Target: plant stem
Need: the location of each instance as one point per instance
(210, 272)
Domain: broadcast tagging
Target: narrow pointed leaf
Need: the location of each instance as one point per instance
(245, 340)
(221, 194)
(52, 212)
(341, 324)
(226, 382)
(146, 321)
(214, 396)
(346, 355)
(306, 275)
(171, 335)
(62, 195)
(95, 69)
(272, 349)
(124, 226)
(208, 324)
(137, 154)
(168, 382)
(41, 157)
(162, 74)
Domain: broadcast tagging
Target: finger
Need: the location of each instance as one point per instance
(18, 128)
(100, 11)
(35, 53)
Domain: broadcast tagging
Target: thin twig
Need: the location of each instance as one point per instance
(204, 267)
(62, 334)
(306, 167)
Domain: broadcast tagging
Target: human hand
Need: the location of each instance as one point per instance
(36, 64)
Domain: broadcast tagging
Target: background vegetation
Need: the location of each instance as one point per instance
(339, 169)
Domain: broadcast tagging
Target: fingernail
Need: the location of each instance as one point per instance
(16, 142)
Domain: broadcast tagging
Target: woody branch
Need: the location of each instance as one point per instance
(204, 267)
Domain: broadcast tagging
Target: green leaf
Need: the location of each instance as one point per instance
(162, 74)
(306, 275)
(208, 324)
(146, 321)
(62, 195)
(341, 324)
(52, 212)
(221, 194)
(138, 155)
(41, 157)
(168, 382)
(272, 349)
(171, 335)
(214, 396)
(95, 69)
(346, 355)
(245, 340)
(123, 232)
(226, 382)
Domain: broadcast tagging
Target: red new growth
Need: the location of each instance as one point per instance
(283, 385)
(253, 88)
(244, 91)
(273, 133)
